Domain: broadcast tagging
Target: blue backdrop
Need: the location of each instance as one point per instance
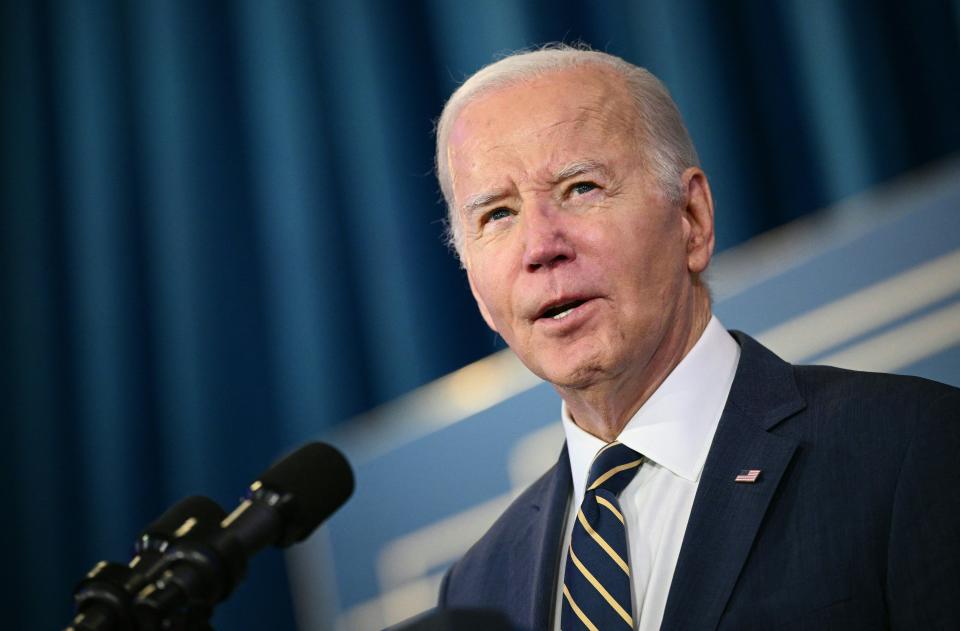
(219, 231)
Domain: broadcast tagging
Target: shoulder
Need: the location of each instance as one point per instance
(839, 393)
(881, 403)
(843, 420)
(484, 566)
(904, 393)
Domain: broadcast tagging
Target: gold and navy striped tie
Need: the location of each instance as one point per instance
(596, 582)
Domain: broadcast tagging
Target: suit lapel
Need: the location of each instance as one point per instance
(726, 515)
(536, 552)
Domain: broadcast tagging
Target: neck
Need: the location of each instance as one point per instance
(604, 408)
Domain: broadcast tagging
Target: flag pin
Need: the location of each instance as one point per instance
(748, 476)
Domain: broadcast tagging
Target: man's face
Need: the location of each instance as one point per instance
(575, 255)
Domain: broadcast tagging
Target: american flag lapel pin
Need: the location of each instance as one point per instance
(747, 476)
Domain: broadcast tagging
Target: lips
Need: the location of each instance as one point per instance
(559, 309)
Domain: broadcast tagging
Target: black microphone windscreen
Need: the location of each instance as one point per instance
(318, 480)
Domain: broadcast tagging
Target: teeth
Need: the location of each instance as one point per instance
(561, 311)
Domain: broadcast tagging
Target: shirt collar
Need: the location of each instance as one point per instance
(675, 426)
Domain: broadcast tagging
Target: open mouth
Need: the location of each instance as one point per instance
(559, 312)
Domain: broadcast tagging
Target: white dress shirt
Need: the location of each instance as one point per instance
(673, 430)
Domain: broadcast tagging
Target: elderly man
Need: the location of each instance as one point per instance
(704, 483)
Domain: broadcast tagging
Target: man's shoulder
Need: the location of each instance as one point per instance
(504, 532)
(521, 526)
(873, 392)
(852, 392)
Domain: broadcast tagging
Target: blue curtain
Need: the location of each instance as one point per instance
(220, 234)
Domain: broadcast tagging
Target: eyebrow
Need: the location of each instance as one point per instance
(478, 201)
(579, 167)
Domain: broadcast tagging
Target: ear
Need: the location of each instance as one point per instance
(480, 303)
(698, 219)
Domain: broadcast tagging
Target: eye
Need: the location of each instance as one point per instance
(497, 214)
(582, 188)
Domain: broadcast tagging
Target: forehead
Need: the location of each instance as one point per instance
(542, 122)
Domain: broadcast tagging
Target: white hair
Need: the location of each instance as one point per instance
(668, 149)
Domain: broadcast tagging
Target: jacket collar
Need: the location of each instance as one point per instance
(539, 548)
(726, 516)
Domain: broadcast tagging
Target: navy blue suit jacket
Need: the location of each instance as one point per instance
(854, 522)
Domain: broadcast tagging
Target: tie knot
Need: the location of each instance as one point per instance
(613, 467)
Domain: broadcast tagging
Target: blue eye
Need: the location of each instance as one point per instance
(497, 214)
(582, 188)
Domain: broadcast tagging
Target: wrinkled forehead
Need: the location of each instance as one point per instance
(563, 110)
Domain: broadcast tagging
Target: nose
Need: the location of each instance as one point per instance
(547, 242)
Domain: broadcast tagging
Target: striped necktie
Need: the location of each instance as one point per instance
(596, 582)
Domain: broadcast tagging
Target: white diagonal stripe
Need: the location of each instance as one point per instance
(823, 328)
(903, 345)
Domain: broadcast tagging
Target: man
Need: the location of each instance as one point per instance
(749, 494)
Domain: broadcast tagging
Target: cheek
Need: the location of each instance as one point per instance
(492, 294)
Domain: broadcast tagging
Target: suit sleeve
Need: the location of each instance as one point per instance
(923, 564)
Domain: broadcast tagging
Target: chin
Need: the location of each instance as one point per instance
(574, 375)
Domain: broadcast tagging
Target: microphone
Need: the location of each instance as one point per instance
(291, 498)
(104, 598)
(282, 506)
(193, 517)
